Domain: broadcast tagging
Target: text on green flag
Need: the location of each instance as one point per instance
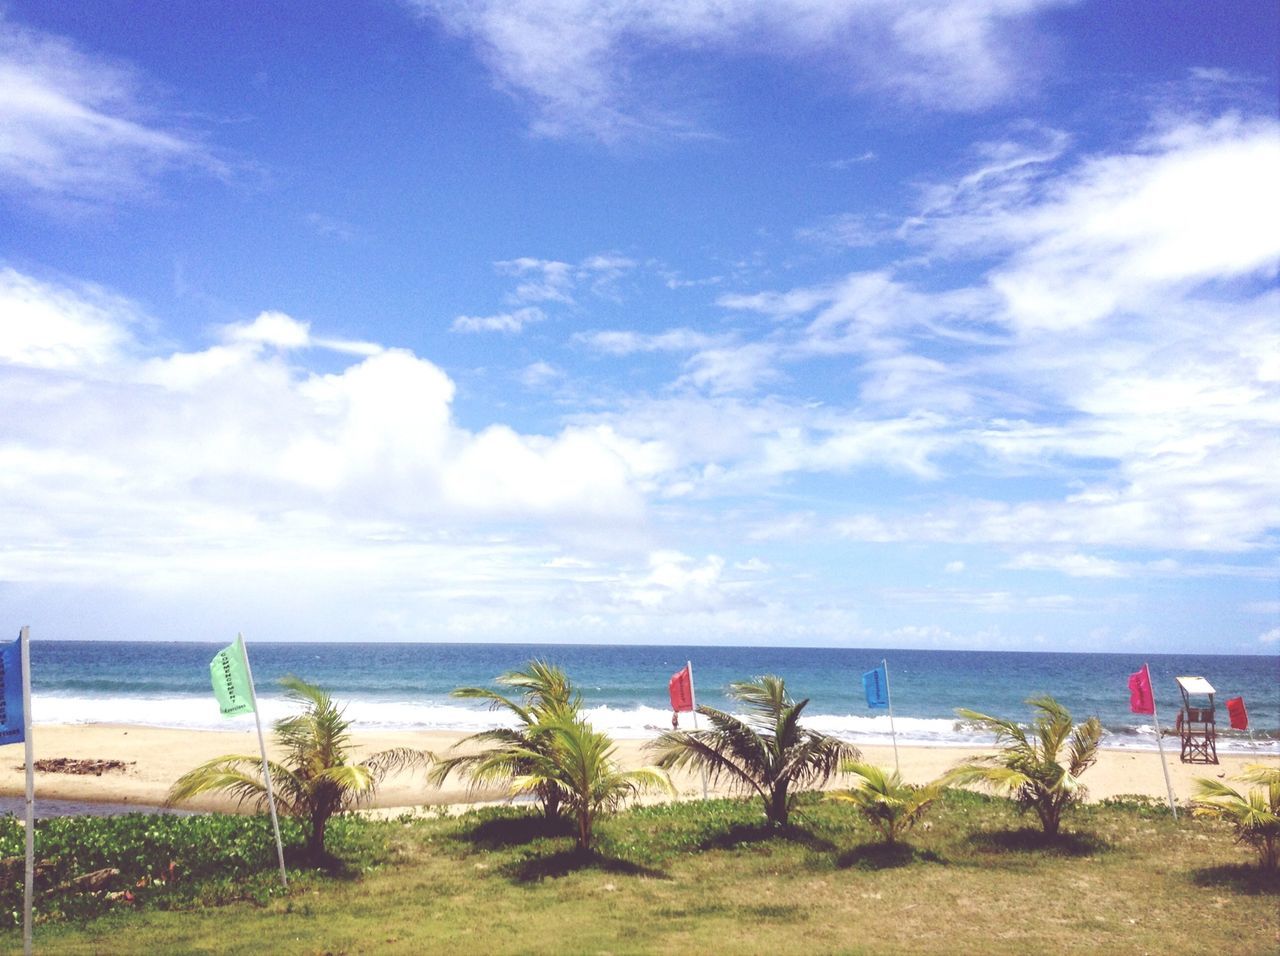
(230, 676)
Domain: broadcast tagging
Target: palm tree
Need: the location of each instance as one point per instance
(889, 805)
(767, 753)
(1029, 766)
(1255, 815)
(576, 762)
(546, 695)
(316, 778)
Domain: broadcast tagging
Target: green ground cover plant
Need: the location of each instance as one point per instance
(168, 861)
(715, 877)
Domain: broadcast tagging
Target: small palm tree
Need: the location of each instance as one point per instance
(767, 753)
(577, 763)
(545, 696)
(888, 804)
(316, 778)
(1255, 815)
(1029, 766)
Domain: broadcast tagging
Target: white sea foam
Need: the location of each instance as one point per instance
(633, 723)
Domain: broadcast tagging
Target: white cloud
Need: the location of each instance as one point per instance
(1154, 404)
(539, 374)
(51, 326)
(76, 128)
(271, 328)
(1270, 637)
(582, 63)
(331, 227)
(731, 368)
(514, 321)
(1075, 565)
(954, 567)
(544, 283)
(851, 161)
(626, 342)
(224, 448)
(847, 231)
(1113, 232)
(675, 581)
(541, 280)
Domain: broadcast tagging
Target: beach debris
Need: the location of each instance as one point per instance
(12, 867)
(88, 883)
(80, 767)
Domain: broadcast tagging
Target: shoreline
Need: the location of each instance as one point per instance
(154, 757)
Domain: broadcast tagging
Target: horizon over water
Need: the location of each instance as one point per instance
(403, 686)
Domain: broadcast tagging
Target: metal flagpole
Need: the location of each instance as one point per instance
(266, 769)
(693, 702)
(1155, 719)
(28, 882)
(889, 698)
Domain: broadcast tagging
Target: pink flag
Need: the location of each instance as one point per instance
(1239, 716)
(1141, 700)
(681, 688)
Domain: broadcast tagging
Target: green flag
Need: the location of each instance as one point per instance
(230, 673)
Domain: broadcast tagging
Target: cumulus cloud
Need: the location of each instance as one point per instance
(78, 129)
(51, 326)
(136, 451)
(585, 65)
(676, 581)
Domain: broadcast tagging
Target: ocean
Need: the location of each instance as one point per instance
(406, 686)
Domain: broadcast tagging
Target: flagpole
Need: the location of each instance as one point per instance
(889, 698)
(693, 702)
(28, 881)
(1155, 719)
(266, 768)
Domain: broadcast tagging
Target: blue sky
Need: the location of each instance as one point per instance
(910, 324)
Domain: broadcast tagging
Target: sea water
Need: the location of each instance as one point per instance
(406, 686)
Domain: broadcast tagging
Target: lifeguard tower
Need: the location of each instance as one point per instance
(1196, 721)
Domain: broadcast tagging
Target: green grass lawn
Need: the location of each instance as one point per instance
(704, 877)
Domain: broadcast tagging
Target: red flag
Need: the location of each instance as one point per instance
(681, 688)
(1141, 700)
(1239, 716)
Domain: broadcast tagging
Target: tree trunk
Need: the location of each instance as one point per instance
(776, 810)
(551, 804)
(1050, 817)
(315, 841)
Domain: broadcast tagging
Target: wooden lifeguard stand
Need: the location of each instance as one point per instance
(1195, 723)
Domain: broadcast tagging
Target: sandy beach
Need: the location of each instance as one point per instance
(155, 757)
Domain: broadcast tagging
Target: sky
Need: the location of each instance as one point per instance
(802, 322)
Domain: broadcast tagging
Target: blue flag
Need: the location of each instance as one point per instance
(876, 684)
(12, 728)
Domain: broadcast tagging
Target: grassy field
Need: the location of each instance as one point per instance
(705, 878)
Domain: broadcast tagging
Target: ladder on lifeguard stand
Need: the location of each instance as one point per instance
(1195, 723)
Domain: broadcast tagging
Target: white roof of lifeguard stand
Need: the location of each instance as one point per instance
(1195, 685)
